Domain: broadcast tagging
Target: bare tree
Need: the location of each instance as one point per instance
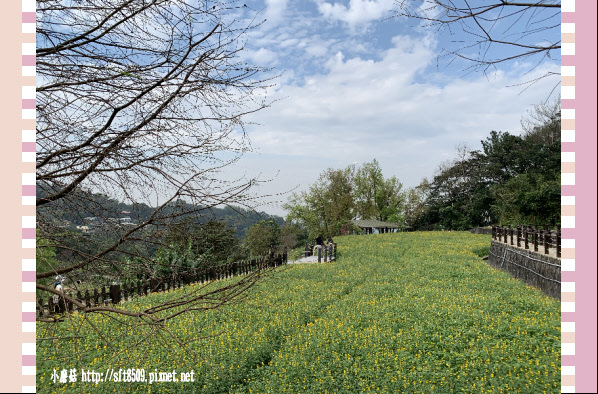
(498, 31)
(138, 102)
(543, 123)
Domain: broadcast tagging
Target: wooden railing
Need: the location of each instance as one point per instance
(530, 237)
(329, 253)
(113, 294)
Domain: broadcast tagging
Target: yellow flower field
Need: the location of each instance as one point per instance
(409, 312)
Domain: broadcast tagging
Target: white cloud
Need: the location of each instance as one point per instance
(261, 57)
(346, 97)
(359, 109)
(358, 12)
(275, 11)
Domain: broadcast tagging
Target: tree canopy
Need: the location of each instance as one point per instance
(515, 179)
(339, 196)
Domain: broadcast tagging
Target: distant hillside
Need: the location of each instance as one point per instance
(86, 205)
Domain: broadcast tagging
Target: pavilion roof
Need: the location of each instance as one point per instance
(374, 224)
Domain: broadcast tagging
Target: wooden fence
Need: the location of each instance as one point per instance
(329, 255)
(113, 294)
(530, 237)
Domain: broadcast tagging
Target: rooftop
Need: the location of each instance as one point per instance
(374, 224)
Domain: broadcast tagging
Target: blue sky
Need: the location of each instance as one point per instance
(357, 85)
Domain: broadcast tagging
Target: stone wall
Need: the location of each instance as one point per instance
(535, 269)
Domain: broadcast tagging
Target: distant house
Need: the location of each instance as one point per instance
(95, 222)
(376, 226)
(84, 229)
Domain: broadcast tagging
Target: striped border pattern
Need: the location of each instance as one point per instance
(567, 200)
(567, 196)
(28, 367)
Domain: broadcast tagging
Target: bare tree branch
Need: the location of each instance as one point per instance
(139, 103)
(500, 31)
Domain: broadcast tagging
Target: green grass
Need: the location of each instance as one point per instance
(409, 312)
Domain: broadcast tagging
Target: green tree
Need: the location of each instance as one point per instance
(216, 241)
(45, 258)
(196, 245)
(528, 199)
(328, 203)
(514, 177)
(415, 204)
(390, 201)
(376, 197)
(457, 195)
(339, 196)
(293, 235)
(173, 259)
(263, 238)
(369, 182)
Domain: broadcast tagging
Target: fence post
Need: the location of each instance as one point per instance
(325, 253)
(511, 234)
(319, 255)
(62, 307)
(104, 295)
(334, 251)
(51, 307)
(542, 236)
(87, 299)
(547, 239)
(115, 293)
(518, 236)
(536, 239)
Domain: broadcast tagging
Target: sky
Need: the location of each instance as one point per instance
(357, 84)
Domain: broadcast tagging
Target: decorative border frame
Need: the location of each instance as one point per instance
(567, 196)
(28, 194)
(578, 299)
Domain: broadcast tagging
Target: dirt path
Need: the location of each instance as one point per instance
(308, 259)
